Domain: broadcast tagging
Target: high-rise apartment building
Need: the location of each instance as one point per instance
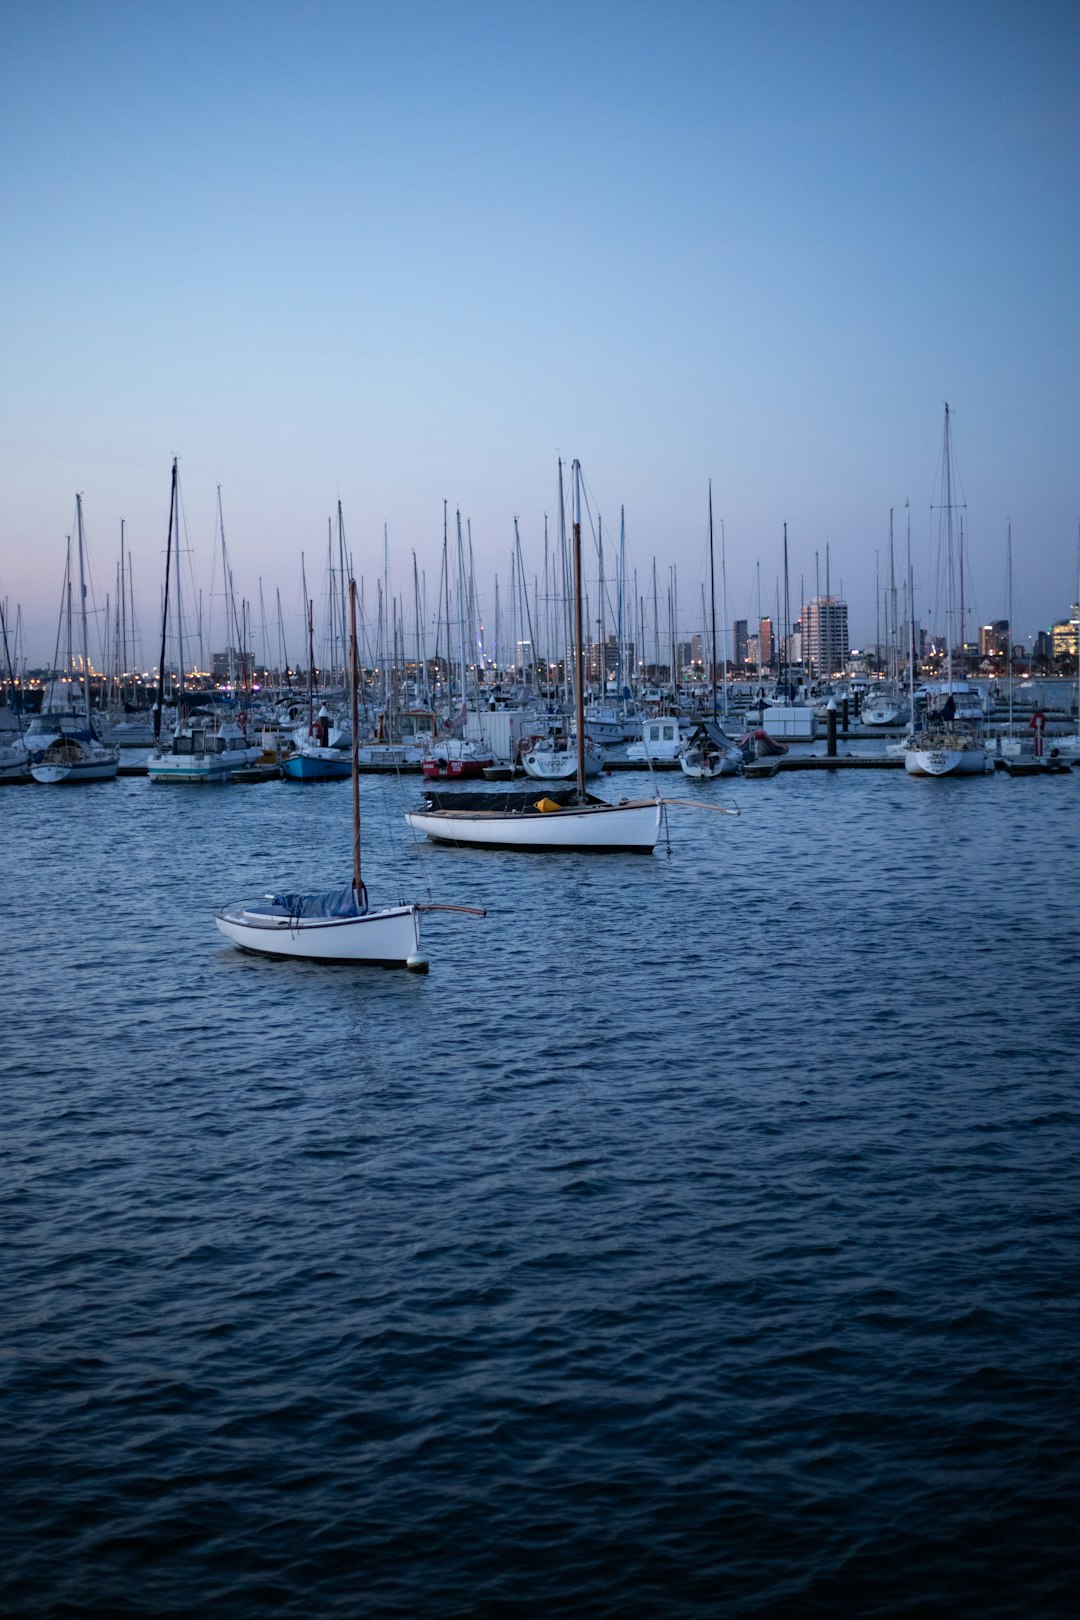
(825, 644)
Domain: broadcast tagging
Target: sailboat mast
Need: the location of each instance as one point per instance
(82, 609)
(354, 710)
(343, 572)
(579, 649)
(159, 703)
(311, 668)
(712, 602)
(948, 557)
(724, 610)
(1008, 571)
(911, 622)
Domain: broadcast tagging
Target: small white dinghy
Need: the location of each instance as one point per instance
(335, 926)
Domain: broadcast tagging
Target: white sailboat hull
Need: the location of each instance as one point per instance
(945, 761)
(71, 763)
(704, 767)
(633, 826)
(14, 763)
(560, 764)
(387, 938)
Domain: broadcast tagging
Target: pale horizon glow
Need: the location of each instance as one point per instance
(396, 255)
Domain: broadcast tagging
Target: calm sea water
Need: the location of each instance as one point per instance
(699, 1238)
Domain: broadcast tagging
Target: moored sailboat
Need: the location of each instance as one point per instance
(336, 925)
(948, 745)
(75, 753)
(313, 759)
(525, 822)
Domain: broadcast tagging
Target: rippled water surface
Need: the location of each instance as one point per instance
(699, 1238)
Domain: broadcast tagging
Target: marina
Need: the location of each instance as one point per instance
(540, 776)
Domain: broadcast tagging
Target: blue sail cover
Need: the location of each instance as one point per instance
(332, 903)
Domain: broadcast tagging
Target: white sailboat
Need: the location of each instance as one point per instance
(554, 758)
(338, 925)
(199, 750)
(75, 753)
(564, 820)
(710, 752)
(948, 746)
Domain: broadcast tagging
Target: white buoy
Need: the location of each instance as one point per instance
(417, 964)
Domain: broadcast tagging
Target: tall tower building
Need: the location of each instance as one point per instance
(825, 635)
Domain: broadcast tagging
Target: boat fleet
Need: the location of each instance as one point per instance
(559, 740)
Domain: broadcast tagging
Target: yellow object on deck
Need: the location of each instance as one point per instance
(547, 804)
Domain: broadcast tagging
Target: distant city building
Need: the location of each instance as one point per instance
(740, 640)
(222, 664)
(602, 662)
(994, 639)
(1064, 635)
(1043, 649)
(825, 626)
(765, 644)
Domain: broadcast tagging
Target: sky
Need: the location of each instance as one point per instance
(399, 254)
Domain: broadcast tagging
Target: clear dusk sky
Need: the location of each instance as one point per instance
(400, 252)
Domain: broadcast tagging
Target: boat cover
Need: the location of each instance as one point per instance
(332, 903)
(717, 735)
(487, 799)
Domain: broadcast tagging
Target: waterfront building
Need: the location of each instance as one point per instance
(825, 634)
(994, 639)
(1064, 635)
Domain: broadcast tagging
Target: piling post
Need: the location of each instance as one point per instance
(830, 713)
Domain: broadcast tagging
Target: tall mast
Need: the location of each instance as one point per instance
(602, 619)
(354, 682)
(619, 674)
(579, 651)
(948, 556)
(461, 599)
(159, 703)
(724, 605)
(343, 573)
(1009, 643)
(712, 603)
(892, 627)
(785, 629)
(82, 612)
(311, 669)
(123, 615)
(911, 615)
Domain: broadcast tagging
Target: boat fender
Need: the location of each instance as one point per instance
(546, 805)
